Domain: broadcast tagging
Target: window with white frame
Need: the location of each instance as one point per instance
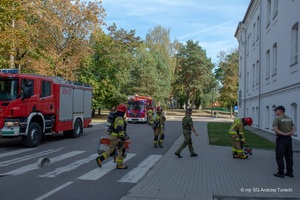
(268, 64)
(295, 33)
(274, 64)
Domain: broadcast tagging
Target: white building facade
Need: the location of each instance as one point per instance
(269, 68)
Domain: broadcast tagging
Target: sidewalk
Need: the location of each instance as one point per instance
(215, 175)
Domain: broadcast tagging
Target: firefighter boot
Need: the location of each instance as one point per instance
(155, 145)
(243, 157)
(99, 160)
(122, 167)
(160, 145)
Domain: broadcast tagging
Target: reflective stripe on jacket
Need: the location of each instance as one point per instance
(119, 125)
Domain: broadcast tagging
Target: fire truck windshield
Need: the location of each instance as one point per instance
(136, 106)
(8, 89)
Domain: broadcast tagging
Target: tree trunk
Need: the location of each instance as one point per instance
(93, 113)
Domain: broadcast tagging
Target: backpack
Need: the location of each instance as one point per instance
(109, 124)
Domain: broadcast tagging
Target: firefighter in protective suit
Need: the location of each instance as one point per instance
(150, 115)
(117, 139)
(159, 127)
(236, 132)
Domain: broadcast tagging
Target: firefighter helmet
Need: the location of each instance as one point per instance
(121, 107)
(248, 121)
(159, 109)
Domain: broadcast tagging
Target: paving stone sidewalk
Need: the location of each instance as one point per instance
(215, 175)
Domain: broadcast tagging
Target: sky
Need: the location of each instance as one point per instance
(210, 22)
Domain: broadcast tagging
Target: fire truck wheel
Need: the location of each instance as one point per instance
(77, 129)
(34, 136)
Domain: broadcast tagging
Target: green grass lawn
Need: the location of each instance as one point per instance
(218, 135)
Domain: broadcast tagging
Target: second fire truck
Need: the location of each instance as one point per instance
(137, 108)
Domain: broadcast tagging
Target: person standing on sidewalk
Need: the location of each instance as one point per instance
(236, 132)
(283, 127)
(188, 127)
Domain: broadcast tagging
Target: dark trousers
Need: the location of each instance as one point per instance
(284, 149)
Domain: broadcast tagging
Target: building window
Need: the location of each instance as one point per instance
(268, 64)
(253, 37)
(240, 68)
(294, 45)
(294, 116)
(257, 72)
(275, 8)
(253, 75)
(274, 66)
(248, 82)
(258, 28)
(256, 116)
(240, 97)
(267, 122)
(248, 44)
(268, 12)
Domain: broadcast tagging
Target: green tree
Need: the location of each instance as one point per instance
(108, 69)
(227, 74)
(162, 49)
(193, 73)
(122, 57)
(143, 74)
(97, 71)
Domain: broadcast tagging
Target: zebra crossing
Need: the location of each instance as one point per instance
(133, 176)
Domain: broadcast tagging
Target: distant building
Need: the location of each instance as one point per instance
(269, 68)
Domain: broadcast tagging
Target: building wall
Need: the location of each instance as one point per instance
(269, 50)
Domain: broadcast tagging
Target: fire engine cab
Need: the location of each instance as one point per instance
(137, 108)
(34, 105)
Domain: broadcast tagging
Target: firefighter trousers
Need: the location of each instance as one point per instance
(159, 136)
(237, 146)
(115, 145)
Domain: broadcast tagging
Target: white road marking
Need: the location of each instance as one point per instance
(34, 166)
(53, 191)
(70, 167)
(101, 171)
(2, 155)
(137, 173)
(28, 157)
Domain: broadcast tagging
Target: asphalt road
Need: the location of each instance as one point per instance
(73, 173)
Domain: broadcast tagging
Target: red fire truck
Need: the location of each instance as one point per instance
(34, 105)
(137, 108)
